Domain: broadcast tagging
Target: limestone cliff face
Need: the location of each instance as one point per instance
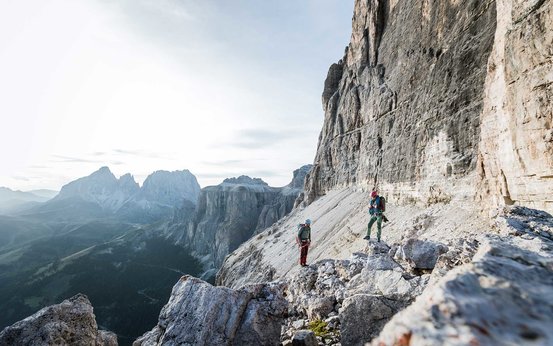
(402, 108)
(419, 93)
(516, 147)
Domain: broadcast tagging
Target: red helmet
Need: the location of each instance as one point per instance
(373, 194)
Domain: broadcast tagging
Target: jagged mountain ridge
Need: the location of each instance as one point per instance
(101, 194)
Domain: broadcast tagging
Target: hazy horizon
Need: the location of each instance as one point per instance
(217, 88)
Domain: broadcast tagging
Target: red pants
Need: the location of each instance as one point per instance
(304, 247)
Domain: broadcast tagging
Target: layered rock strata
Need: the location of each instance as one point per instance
(70, 323)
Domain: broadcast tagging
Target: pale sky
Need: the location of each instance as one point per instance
(221, 88)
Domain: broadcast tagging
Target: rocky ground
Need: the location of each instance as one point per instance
(429, 292)
(349, 301)
(495, 288)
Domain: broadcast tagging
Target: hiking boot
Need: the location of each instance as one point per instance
(367, 238)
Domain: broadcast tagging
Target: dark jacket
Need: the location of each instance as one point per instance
(377, 205)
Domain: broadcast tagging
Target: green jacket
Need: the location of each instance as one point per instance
(304, 232)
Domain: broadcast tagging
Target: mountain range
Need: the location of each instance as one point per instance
(101, 194)
(102, 231)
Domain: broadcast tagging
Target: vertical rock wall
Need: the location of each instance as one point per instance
(516, 148)
(439, 100)
(402, 108)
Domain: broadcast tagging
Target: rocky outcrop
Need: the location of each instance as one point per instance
(402, 108)
(200, 314)
(229, 214)
(503, 297)
(70, 323)
(515, 163)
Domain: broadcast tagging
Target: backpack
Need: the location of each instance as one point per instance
(381, 202)
(302, 228)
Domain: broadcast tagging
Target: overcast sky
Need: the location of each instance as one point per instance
(219, 87)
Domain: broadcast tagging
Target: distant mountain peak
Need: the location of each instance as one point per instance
(103, 172)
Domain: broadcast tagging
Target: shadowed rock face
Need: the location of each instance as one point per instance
(200, 314)
(403, 106)
(69, 323)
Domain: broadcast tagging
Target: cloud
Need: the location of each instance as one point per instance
(231, 162)
(263, 174)
(259, 138)
(69, 159)
(141, 153)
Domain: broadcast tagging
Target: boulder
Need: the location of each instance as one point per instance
(70, 323)
(362, 316)
(376, 248)
(384, 276)
(304, 338)
(299, 324)
(319, 307)
(420, 254)
(200, 314)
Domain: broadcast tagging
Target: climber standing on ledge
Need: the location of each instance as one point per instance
(304, 240)
(376, 209)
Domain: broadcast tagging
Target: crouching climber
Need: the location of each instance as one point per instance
(303, 240)
(376, 209)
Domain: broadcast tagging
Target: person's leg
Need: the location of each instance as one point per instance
(379, 226)
(370, 225)
(303, 256)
